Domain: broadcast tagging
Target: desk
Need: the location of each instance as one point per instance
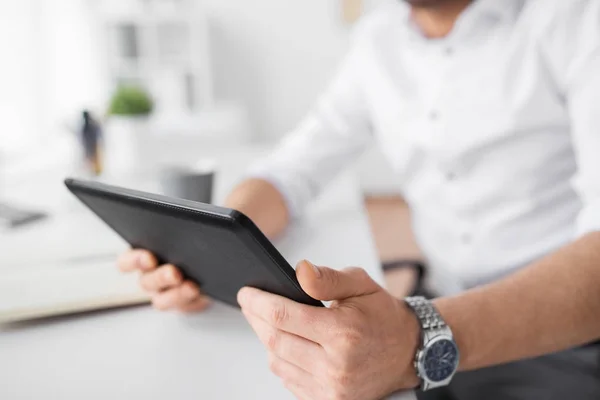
(138, 353)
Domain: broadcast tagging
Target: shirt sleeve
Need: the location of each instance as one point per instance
(580, 41)
(334, 134)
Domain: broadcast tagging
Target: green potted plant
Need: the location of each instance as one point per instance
(128, 115)
(130, 101)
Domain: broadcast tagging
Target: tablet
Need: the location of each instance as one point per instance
(218, 248)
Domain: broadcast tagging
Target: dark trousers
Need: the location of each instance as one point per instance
(568, 375)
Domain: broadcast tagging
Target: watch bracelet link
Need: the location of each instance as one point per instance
(426, 313)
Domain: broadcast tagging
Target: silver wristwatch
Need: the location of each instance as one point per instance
(437, 359)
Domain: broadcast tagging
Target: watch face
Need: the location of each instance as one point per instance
(440, 360)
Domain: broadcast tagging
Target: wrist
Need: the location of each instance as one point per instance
(450, 312)
(410, 346)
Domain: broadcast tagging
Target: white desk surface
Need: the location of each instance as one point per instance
(138, 353)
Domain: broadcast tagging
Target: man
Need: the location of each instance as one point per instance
(489, 111)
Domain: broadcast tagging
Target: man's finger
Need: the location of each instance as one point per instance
(298, 351)
(301, 320)
(327, 284)
(296, 380)
(200, 304)
(301, 393)
(177, 297)
(134, 260)
(165, 277)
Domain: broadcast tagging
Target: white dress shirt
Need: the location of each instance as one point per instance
(494, 131)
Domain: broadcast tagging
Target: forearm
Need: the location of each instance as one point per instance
(262, 203)
(550, 306)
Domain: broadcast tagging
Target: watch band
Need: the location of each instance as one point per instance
(426, 313)
(433, 327)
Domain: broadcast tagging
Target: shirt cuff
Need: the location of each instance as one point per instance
(589, 220)
(293, 202)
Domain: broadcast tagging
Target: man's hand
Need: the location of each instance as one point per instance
(165, 284)
(360, 348)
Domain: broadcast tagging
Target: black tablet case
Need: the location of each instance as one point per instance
(218, 248)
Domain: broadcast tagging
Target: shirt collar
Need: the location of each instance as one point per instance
(501, 9)
(480, 11)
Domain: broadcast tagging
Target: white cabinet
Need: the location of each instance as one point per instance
(161, 45)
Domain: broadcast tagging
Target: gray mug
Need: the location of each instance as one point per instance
(194, 184)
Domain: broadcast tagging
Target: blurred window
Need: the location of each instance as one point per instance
(51, 69)
(20, 96)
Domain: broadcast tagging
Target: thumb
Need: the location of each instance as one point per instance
(327, 284)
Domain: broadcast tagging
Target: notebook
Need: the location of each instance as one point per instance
(58, 290)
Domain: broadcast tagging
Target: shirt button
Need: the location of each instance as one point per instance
(434, 115)
(450, 176)
(449, 51)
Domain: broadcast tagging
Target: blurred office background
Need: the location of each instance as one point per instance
(221, 74)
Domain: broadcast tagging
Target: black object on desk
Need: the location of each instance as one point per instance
(13, 217)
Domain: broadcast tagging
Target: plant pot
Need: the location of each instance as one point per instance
(123, 142)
